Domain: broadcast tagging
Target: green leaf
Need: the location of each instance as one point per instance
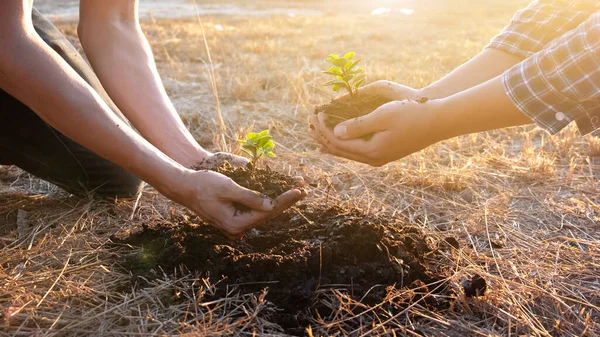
(263, 133)
(358, 83)
(333, 71)
(263, 141)
(334, 82)
(352, 64)
(336, 87)
(332, 74)
(269, 146)
(252, 136)
(348, 78)
(339, 62)
(332, 60)
(248, 152)
(242, 141)
(349, 55)
(270, 154)
(333, 56)
(360, 77)
(249, 147)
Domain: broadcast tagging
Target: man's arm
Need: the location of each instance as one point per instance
(530, 30)
(122, 59)
(34, 74)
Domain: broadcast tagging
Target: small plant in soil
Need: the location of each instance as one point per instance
(349, 76)
(347, 73)
(257, 145)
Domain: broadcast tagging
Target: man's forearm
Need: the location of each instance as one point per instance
(121, 57)
(34, 74)
(483, 67)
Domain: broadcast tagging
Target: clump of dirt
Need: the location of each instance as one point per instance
(266, 181)
(294, 255)
(338, 111)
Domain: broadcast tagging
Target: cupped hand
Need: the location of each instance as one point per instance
(398, 129)
(212, 196)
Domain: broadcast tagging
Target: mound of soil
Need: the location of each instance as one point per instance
(310, 248)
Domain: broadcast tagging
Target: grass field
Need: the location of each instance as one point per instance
(526, 205)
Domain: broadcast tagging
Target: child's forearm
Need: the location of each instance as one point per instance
(483, 67)
(481, 108)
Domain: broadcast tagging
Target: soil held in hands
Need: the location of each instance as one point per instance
(296, 255)
(266, 181)
(338, 111)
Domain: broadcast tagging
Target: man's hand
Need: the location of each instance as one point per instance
(211, 195)
(399, 128)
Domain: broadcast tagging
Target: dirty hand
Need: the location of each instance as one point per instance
(398, 129)
(211, 195)
(214, 160)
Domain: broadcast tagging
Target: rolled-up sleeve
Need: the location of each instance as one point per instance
(561, 83)
(532, 28)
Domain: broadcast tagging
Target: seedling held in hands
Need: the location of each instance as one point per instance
(347, 73)
(257, 145)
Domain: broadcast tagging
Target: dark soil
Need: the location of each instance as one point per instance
(338, 111)
(474, 287)
(313, 247)
(268, 182)
(294, 255)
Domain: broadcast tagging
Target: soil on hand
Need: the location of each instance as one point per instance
(338, 111)
(302, 251)
(266, 181)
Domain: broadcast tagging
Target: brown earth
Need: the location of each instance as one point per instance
(338, 111)
(268, 182)
(296, 256)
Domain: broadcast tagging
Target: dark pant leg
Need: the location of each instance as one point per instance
(29, 143)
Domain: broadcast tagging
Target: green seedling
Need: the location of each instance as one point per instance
(347, 73)
(257, 145)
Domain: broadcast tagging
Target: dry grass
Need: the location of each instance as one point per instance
(528, 204)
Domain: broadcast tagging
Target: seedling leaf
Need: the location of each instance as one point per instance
(256, 145)
(346, 71)
(263, 141)
(340, 62)
(352, 64)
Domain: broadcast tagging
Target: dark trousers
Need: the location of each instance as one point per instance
(29, 143)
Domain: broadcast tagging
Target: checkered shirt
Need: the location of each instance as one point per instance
(559, 80)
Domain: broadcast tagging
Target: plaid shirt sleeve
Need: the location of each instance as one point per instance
(532, 28)
(561, 83)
